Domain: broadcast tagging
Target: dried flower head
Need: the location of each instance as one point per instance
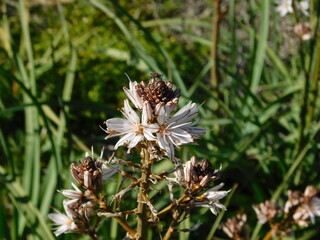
(234, 227)
(87, 174)
(295, 198)
(311, 203)
(303, 31)
(157, 92)
(266, 211)
(81, 210)
(199, 174)
(301, 216)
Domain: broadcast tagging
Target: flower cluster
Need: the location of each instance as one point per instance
(302, 30)
(153, 126)
(80, 206)
(286, 6)
(153, 122)
(300, 209)
(194, 177)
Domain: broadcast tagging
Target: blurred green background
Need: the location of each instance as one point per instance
(62, 69)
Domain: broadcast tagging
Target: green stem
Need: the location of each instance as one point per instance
(314, 75)
(214, 47)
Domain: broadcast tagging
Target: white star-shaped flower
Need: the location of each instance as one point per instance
(211, 199)
(63, 222)
(132, 129)
(304, 7)
(284, 7)
(179, 129)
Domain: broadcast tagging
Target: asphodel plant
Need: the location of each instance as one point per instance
(153, 126)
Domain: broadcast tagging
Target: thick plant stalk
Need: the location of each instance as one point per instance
(142, 213)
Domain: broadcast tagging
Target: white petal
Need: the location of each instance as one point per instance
(170, 151)
(185, 114)
(58, 218)
(130, 114)
(161, 117)
(181, 136)
(108, 172)
(172, 141)
(71, 194)
(68, 202)
(216, 188)
(148, 135)
(132, 95)
(146, 113)
(119, 124)
(126, 138)
(153, 128)
(214, 196)
(61, 229)
(135, 140)
(75, 187)
(187, 171)
(162, 144)
(196, 130)
(214, 210)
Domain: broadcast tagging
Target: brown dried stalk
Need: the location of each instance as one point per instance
(142, 210)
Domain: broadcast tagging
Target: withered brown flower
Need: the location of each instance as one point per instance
(87, 174)
(234, 227)
(157, 92)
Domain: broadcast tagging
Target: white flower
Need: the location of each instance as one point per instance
(132, 130)
(304, 6)
(214, 195)
(65, 221)
(284, 7)
(177, 130)
(211, 199)
(133, 95)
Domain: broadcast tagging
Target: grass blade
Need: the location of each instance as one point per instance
(262, 45)
(25, 206)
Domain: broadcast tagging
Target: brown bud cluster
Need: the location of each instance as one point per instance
(82, 209)
(88, 174)
(235, 227)
(300, 209)
(157, 91)
(303, 207)
(303, 31)
(266, 211)
(201, 173)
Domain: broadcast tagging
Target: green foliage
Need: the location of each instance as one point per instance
(62, 69)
